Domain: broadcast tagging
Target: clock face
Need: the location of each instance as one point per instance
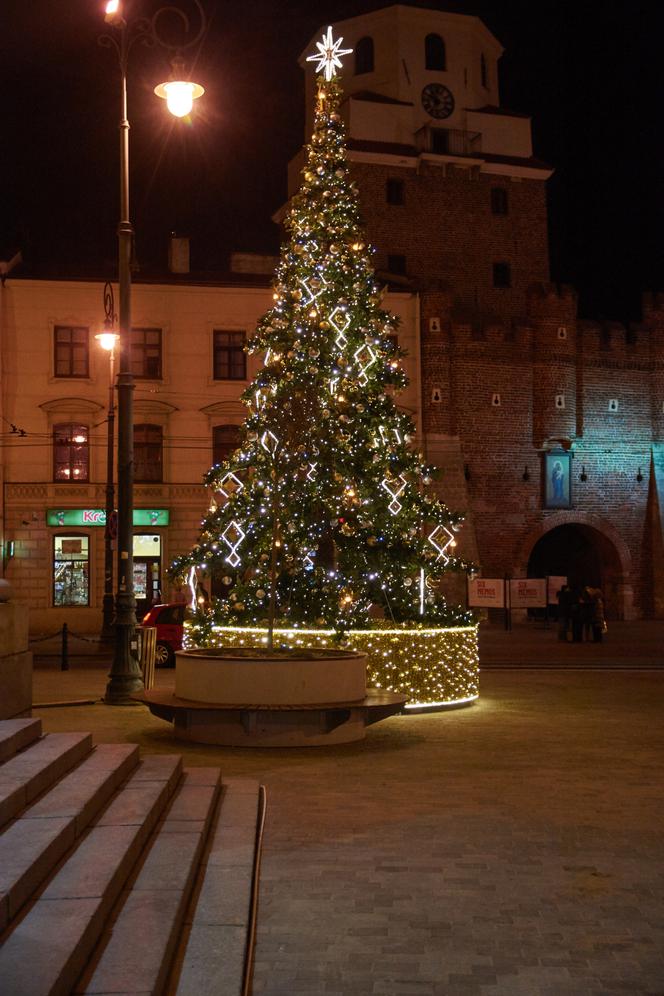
(437, 100)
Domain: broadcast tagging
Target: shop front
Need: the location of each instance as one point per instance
(77, 541)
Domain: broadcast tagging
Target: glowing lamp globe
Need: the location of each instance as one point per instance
(179, 96)
(107, 340)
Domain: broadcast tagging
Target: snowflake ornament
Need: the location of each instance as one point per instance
(328, 56)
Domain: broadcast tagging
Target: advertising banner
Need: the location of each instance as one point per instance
(528, 593)
(486, 593)
(97, 517)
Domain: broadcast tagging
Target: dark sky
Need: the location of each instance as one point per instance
(590, 73)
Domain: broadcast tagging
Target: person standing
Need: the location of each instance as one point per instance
(598, 622)
(564, 597)
(576, 615)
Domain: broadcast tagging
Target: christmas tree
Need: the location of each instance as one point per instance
(323, 513)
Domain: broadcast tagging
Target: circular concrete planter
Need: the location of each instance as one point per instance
(253, 676)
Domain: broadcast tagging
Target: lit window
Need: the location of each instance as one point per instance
(434, 53)
(364, 56)
(70, 452)
(71, 570)
(230, 360)
(148, 454)
(71, 351)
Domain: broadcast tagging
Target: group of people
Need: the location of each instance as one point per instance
(581, 614)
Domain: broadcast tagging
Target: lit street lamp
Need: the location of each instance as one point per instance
(107, 340)
(125, 679)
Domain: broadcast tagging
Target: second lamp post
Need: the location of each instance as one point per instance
(125, 680)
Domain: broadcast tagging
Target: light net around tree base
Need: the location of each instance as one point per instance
(433, 666)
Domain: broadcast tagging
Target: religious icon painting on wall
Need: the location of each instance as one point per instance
(557, 479)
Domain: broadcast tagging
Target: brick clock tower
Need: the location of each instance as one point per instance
(455, 202)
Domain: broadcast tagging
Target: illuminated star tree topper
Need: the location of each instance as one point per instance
(328, 57)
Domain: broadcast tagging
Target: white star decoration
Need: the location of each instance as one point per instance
(328, 55)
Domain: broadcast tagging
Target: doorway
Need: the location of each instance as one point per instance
(586, 557)
(147, 571)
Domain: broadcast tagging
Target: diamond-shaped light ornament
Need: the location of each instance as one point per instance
(340, 321)
(365, 359)
(269, 442)
(328, 55)
(311, 293)
(394, 489)
(229, 485)
(232, 536)
(308, 561)
(438, 541)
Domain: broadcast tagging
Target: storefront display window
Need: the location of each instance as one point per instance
(71, 570)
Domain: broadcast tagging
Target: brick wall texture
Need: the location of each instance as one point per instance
(512, 373)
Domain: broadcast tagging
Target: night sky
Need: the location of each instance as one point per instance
(589, 73)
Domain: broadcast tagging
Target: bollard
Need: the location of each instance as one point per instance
(64, 656)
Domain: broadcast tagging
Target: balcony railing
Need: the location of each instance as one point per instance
(448, 141)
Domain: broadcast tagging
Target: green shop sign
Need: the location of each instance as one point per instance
(97, 517)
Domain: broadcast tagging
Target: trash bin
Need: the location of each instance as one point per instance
(147, 644)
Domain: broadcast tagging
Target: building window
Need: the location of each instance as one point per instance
(146, 353)
(499, 200)
(502, 275)
(434, 53)
(70, 452)
(440, 141)
(71, 351)
(225, 440)
(364, 56)
(230, 360)
(148, 454)
(396, 263)
(484, 73)
(605, 339)
(394, 191)
(71, 570)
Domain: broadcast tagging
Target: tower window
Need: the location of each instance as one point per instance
(499, 200)
(440, 141)
(364, 56)
(484, 73)
(502, 275)
(434, 53)
(396, 263)
(394, 191)
(605, 339)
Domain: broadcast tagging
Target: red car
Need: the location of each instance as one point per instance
(169, 620)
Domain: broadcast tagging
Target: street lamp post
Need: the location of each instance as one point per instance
(108, 340)
(125, 680)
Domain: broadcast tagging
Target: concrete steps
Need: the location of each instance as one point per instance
(122, 875)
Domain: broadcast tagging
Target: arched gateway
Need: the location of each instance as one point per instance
(588, 551)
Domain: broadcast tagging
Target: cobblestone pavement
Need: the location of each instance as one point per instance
(514, 848)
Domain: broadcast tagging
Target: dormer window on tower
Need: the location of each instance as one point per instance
(484, 72)
(364, 56)
(434, 53)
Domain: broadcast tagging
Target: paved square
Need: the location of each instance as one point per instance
(512, 848)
